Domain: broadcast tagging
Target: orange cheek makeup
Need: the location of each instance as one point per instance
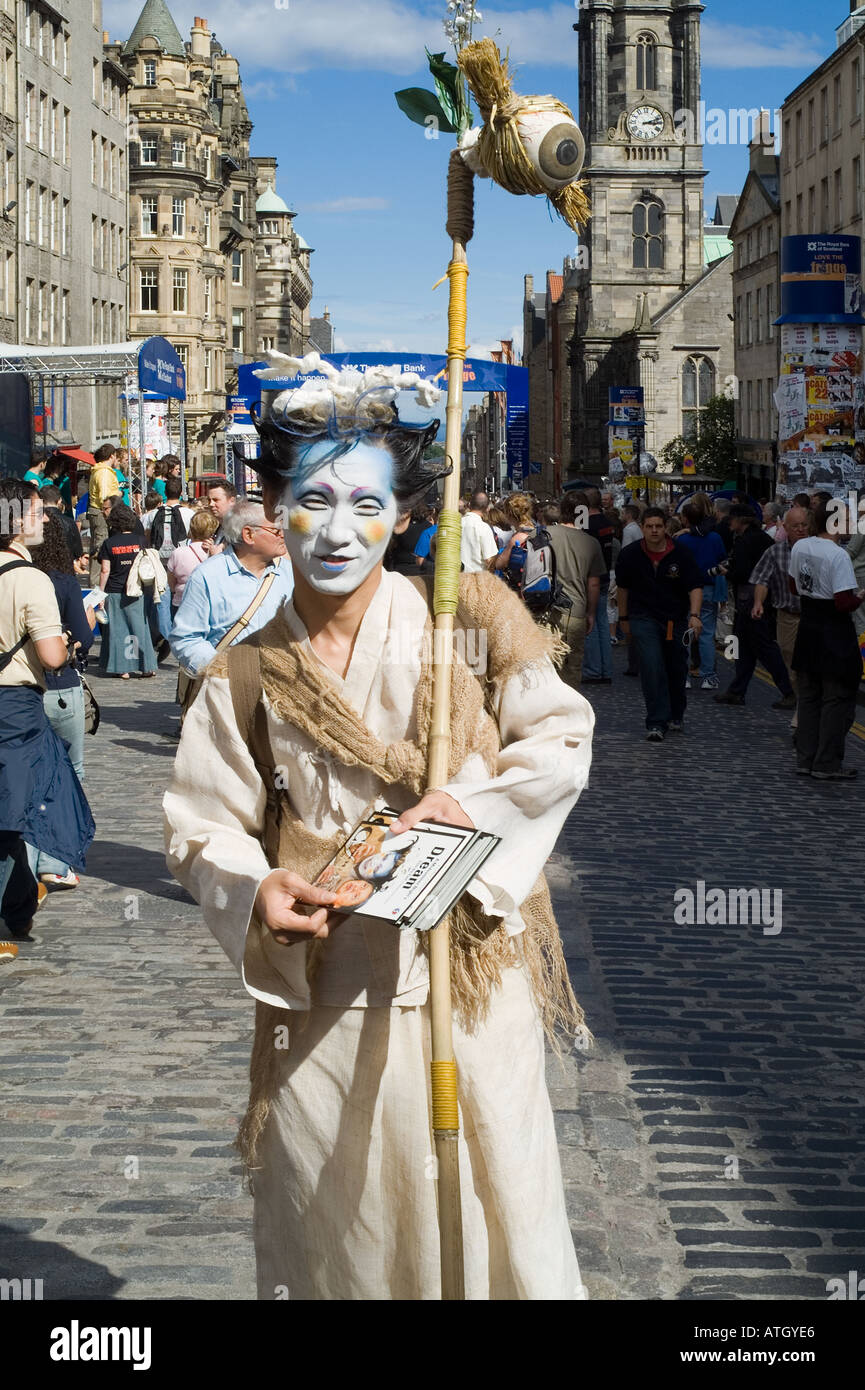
(375, 532)
(299, 522)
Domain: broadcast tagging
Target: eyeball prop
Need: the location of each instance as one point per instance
(527, 145)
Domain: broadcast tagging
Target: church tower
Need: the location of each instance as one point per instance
(639, 92)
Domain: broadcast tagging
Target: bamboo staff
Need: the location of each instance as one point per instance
(443, 1069)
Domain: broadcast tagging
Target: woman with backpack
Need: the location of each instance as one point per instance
(190, 554)
(126, 641)
(511, 559)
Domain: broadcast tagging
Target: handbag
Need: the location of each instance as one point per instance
(92, 713)
(146, 569)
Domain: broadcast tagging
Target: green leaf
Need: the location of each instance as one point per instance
(419, 105)
(450, 87)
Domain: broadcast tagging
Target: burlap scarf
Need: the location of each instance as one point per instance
(300, 693)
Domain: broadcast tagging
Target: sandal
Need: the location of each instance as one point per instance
(124, 675)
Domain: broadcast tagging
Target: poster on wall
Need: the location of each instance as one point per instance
(821, 395)
(821, 279)
(838, 473)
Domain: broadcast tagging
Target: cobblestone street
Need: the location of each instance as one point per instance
(712, 1143)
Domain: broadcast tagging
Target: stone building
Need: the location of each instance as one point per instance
(67, 171)
(549, 321)
(755, 234)
(201, 250)
(654, 297)
(8, 172)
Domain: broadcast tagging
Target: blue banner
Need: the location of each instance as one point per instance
(517, 422)
(161, 370)
(821, 279)
(478, 375)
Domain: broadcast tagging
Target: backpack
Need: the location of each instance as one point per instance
(157, 531)
(539, 585)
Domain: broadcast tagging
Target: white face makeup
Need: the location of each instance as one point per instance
(339, 519)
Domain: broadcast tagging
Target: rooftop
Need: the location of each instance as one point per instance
(155, 22)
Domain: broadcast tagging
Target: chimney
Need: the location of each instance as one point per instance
(199, 46)
(528, 287)
(762, 148)
(326, 313)
(106, 37)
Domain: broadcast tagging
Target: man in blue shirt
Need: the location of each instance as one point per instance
(222, 588)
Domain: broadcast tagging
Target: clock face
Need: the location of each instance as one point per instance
(646, 123)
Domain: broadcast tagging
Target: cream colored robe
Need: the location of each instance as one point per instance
(345, 1204)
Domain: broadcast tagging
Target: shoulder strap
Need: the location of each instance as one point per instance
(246, 618)
(6, 657)
(244, 679)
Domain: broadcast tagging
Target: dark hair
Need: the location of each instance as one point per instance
(173, 488)
(412, 475)
(54, 552)
(13, 491)
(37, 456)
(632, 511)
(228, 488)
(802, 499)
(476, 500)
(50, 495)
(56, 466)
(693, 514)
(820, 519)
(170, 461)
(570, 503)
(739, 512)
(551, 514)
(593, 497)
(104, 452)
(822, 495)
(654, 511)
(122, 518)
(152, 500)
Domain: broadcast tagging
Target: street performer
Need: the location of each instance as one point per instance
(297, 732)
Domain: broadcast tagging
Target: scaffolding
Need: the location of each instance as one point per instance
(146, 369)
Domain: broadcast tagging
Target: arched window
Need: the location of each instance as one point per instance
(647, 228)
(647, 63)
(698, 388)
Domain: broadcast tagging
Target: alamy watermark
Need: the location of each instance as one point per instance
(721, 907)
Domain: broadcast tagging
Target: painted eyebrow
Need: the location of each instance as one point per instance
(367, 492)
(315, 487)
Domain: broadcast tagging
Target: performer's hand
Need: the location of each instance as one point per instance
(435, 806)
(274, 906)
(757, 610)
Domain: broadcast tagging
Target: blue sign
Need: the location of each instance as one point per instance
(627, 405)
(477, 374)
(821, 279)
(161, 370)
(238, 408)
(517, 421)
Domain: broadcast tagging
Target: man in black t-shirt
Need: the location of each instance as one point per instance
(660, 594)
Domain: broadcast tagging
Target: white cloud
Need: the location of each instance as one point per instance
(737, 46)
(347, 205)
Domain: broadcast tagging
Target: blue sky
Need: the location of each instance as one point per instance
(319, 77)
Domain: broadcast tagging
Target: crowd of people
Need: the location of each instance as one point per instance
(673, 587)
(782, 587)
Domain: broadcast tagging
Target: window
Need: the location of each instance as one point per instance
(45, 37)
(55, 47)
(149, 281)
(41, 324)
(106, 163)
(208, 295)
(149, 212)
(208, 156)
(28, 309)
(106, 92)
(64, 317)
(647, 229)
(798, 134)
(55, 129)
(812, 209)
(760, 408)
(28, 211)
(29, 111)
(65, 74)
(237, 267)
(44, 113)
(647, 63)
(824, 115)
(237, 330)
(150, 72)
(182, 350)
(55, 314)
(94, 156)
(698, 388)
(786, 145)
(178, 217)
(857, 188)
(104, 245)
(42, 208)
(836, 124)
(800, 204)
(53, 240)
(64, 228)
(812, 127)
(148, 149)
(180, 291)
(237, 205)
(94, 320)
(749, 319)
(67, 144)
(856, 90)
(208, 368)
(178, 152)
(824, 205)
(839, 199)
(740, 323)
(207, 226)
(95, 86)
(28, 26)
(115, 169)
(759, 325)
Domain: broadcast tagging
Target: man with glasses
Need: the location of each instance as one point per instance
(225, 589)
(660, 596)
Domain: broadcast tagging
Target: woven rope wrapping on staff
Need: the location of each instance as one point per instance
(501, 149)
(460, 224)
(447, 570)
